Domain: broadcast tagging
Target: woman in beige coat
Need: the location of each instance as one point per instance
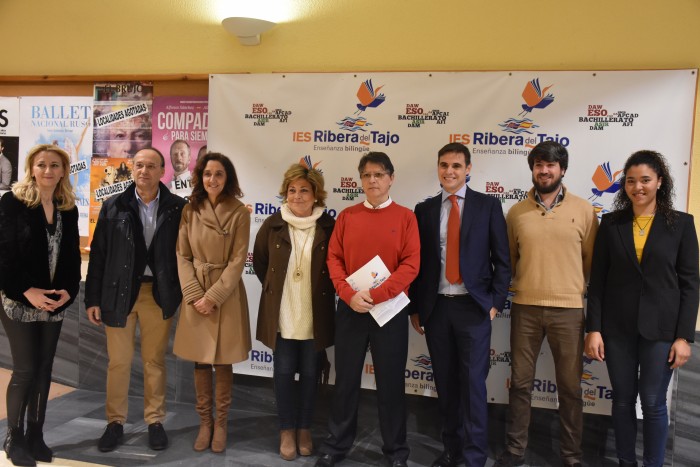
(213, 329)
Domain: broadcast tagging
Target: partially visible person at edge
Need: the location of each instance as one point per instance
(297, 304)
(39, 279)
(213, 329)
(132, 279)
(378, 226)
(551, 235)
(643, 302)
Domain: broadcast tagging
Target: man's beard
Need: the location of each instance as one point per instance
(546, 189)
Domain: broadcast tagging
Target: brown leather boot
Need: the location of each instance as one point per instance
(288, 444)
(306, 446)
(203, 391)
(224, 381)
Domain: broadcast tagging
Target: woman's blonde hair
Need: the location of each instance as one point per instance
(26, 190)
(313, 176)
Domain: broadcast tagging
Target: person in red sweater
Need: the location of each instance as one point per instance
(378, 226)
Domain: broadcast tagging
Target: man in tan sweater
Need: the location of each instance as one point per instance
(551, 236)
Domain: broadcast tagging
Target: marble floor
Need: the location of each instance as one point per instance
(75, 421)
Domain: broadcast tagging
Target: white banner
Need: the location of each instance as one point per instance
(266, 122)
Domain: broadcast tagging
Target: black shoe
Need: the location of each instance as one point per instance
(627, 464)
(157, 439)
(327, 460)
(36, 445)
(447, 459)
(16, 448)
(395, 462)
(111, 437)
(508, 459)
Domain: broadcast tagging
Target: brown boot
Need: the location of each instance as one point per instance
(203, 391)
(288, 445)
(224, 381)
(306, 446)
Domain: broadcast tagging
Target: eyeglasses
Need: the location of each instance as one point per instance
(369, 176)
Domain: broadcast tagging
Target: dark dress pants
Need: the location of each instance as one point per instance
(458, 334)
(389, 347)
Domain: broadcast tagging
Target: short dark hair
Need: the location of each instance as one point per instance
(456, 147)
(549, 151)
(231, 188)
(160, 154)
(378, 158)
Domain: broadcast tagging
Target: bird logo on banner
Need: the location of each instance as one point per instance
(368, 96)
(535, 97)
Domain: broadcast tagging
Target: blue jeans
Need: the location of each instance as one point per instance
(291, 357)
(639, 366)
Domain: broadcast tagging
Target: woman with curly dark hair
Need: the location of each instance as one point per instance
(39, 279)
(643, 301)
(213, 330)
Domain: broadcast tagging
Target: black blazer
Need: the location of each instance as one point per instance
(657, 298)
(484, 261)
(24, 258)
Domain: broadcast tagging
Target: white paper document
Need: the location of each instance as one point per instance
(370, 276)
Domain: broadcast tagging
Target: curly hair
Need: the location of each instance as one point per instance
(26, 190)
(664, 195)
(313, 176)
(231, 187)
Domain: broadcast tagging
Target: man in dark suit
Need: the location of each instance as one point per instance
(462, 284)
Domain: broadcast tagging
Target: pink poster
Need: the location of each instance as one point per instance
(180, 133)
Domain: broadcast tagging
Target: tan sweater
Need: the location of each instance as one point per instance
(551, 252)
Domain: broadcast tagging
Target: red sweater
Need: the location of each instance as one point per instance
(360, 234)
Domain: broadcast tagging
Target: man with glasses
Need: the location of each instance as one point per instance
(132, 277)
(378, 226)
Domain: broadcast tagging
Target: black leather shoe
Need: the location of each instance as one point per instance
(36, 445)
(447, 459)
(508, 459)
(396, 463)
(16, 448)
(327, 460)
(157, 439)
(111, 437)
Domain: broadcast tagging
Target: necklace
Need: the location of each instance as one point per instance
(297, 274)
(642, 230)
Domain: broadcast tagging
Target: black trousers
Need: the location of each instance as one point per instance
(33, 347)
(389, 347)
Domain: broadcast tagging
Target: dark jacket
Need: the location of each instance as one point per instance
(270, 260)
(118, 257)
(24, 258)
(657, 298)
(484, 260)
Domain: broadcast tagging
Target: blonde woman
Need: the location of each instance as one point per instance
(297, 306)
(39, 278)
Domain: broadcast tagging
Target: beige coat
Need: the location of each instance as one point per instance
(212, 248)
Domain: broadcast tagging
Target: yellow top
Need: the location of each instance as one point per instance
(640, 229)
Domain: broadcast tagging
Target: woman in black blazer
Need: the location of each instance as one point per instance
(643, 301)
(39, 279)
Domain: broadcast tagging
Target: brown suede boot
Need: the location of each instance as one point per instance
(288, 444)
(203, 391)
(306, 446)
(224, 381)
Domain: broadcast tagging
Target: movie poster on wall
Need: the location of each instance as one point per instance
(180, 133)
(601, 117)
(122, 127)
(65, 122)
(9, 142)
